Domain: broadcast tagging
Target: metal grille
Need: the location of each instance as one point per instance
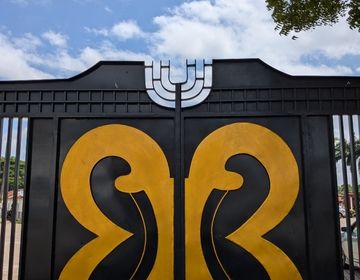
(13, 146)
(323, 100)
(265, 100)
(347, 158)
(43, 102)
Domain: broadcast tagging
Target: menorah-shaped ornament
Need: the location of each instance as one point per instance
(193, 90)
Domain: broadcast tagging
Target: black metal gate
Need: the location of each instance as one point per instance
(229, 175)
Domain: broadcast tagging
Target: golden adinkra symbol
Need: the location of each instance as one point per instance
(150, 173)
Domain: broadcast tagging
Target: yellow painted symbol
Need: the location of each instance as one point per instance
(149, 173)
(207, 172)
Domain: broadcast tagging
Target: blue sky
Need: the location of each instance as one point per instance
(61, 38)
(56, 39)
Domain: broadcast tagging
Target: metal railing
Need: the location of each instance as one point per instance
(13, 147)
(347, 159)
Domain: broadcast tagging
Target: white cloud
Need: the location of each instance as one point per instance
(55, 38)
(108, 9)
(27, 2)
(27, 42)
(71, 64)
(126, 30)
(244, 28)
(194, 29)
(100, 31)
(123, 30)
(17, 61)
(24, 57)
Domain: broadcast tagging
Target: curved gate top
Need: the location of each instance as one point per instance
(227, 175)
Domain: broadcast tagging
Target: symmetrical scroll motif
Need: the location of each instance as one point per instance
(207, 172)
(194, 89)
(149, 173)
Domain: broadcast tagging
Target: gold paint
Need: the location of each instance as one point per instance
(207, 172)
(145, 236)
(212, 235)
(149, 173)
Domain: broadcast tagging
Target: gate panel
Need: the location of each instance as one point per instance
(38, 226)
(134, 212)
(324, 254)
(225, 211)
(134, 178)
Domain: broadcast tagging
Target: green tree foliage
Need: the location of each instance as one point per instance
(347, 151)
(20, 182)
(302, 15)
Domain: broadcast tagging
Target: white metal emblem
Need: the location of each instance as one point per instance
(194, 90)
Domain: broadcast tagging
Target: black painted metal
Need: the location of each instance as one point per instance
(299, 109)
(335, 205)
(179, 241)
(10, 168)
(4, 189)
(24, 210)
(354, 177)
(347, 202)
(15, 199)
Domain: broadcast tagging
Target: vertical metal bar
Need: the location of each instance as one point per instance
(102, 102)
(332, 99)
(127, 101)
(305, 170)
(16, 101)
(53, 101)
(41, 101)
(335, 194)
(346, 193)
(219, 100)
(15, 198)
(179, 230)
(90, 100)
(138, 98)
(245, 100)
(25, 196)
(307, 100)
(65, 101)
(358, 118)
(28, 103)
(54, 195)
(1, 165)
(256, 99)
(3, 103)
(77, 101)
(354, 178)
(1, 143)
(5, 186)
(114, 102)
(231, 100)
